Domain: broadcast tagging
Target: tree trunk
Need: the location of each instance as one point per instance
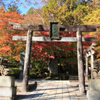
(53, 66)
(80, 62)
(27, 60)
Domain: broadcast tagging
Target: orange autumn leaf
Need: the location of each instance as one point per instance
(17, 58)
(9, 47)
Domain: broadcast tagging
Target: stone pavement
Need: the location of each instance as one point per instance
(50, 90)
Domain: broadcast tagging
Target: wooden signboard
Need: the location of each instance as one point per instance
(54, 30)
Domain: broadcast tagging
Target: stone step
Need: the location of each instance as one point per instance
(94, 84)
(93, 95)
(7, 81)
(7, 91)
(8, 98)
(73, 77)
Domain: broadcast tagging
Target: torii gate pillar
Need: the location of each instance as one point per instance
(80, 61)
(92, 63)
(86, 73)
(27, 60)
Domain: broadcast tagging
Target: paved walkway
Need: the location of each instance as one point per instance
(51, 90)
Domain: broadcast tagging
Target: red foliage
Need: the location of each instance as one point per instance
(48, 49)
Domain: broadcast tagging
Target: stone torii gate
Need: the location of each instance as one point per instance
(89, 52)
(69, 28)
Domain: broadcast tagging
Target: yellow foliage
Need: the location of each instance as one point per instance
(93, 18)
(17, 58)
(2, 10)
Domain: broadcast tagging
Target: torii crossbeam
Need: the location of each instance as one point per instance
(69, 28)
(47, 39)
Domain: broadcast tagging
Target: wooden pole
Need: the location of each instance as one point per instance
(80, 62)
(86, 66)
(92, 66)
(27, 61)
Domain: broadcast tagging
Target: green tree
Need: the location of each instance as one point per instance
(93, 18)
(30, 11)
(69, 12)
(13, 8)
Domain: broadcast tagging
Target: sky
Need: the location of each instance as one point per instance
(24, 6)
(24, 10)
